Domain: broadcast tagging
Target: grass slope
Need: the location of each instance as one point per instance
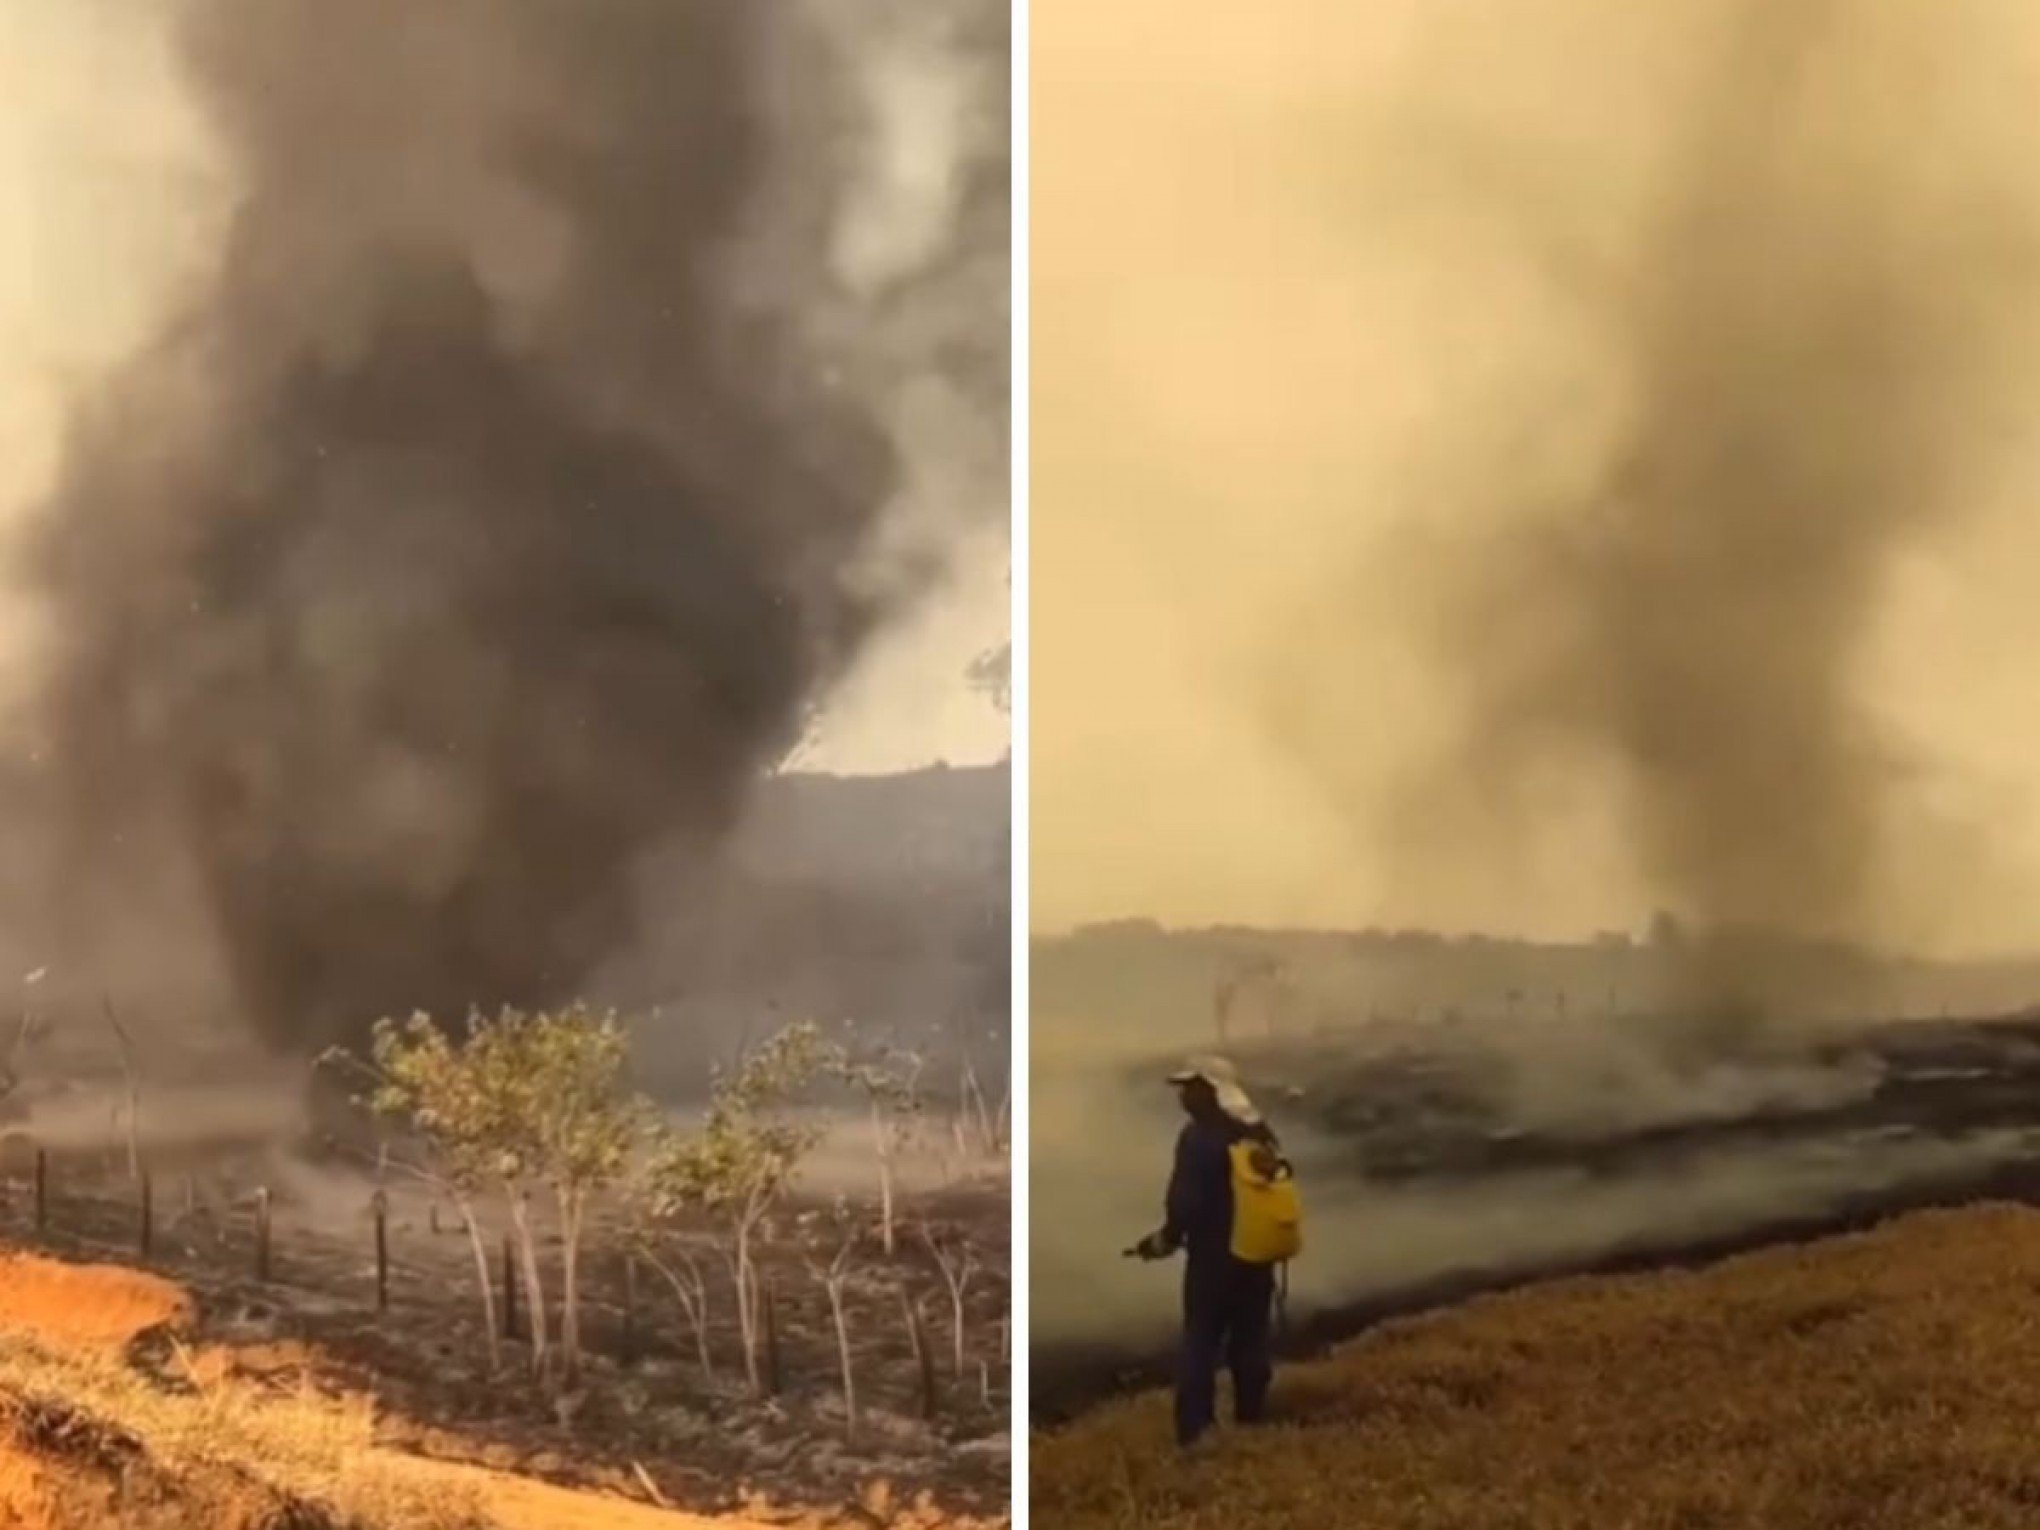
(1884, 1381)
(97, 1435)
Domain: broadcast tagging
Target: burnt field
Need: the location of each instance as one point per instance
(651, 1418)
(1465, 1160)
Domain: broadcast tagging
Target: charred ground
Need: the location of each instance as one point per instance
(933, 1436)
(1453, 1147)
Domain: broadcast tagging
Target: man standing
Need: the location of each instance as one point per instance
(1228, 1302)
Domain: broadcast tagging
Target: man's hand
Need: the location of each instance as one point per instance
(1153, 1246)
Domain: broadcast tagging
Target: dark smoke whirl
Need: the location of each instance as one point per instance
(1800, 339)
(464, 536)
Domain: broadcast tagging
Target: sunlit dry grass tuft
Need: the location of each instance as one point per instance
(302, 1445)
(1889, 1381)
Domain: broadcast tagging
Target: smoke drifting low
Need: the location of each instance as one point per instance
(497, 506)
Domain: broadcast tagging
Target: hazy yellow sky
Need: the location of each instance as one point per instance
(1295, 264)
(111, 196)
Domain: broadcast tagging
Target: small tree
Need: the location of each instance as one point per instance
(980, 1125)
(421, 1079)
(957, 1262)
(738, 1165)
(888, 1083)
(1000, 1274)
(834, 1274)
(552, 1087)
(521, 1099)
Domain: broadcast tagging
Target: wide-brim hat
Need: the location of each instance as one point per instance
(1225, 1084)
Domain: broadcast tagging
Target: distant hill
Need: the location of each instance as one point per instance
(879, 900)
(924, 829)
(1133, 986)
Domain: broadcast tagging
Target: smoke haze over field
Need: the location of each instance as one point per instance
(1372, 1239)
(1514, 469)
(1519, 469)
(556, 405)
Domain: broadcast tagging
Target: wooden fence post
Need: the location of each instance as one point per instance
(509, 1288)
(382, 1252)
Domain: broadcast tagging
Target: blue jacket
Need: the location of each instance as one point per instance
(1199, 1210)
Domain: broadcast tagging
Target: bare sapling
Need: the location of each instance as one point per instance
(683, 1275)
(739, 1164)
(834, 1275)
(972, 1114)
(1002, 1362)
(959, 1152)
(924, 1359)
(484, 1288)
(26, 1033)
(132, 1073)
(889, 1083)
(986, 1123)
(536, 1315)
(744, 1275)
(957, 1262)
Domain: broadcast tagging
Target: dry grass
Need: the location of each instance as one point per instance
(77, 1306)
(1889, 1381)
(72, 1397)
(302, 1446)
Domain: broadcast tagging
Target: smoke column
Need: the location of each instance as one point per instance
(1803, 340)
(485, 516)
